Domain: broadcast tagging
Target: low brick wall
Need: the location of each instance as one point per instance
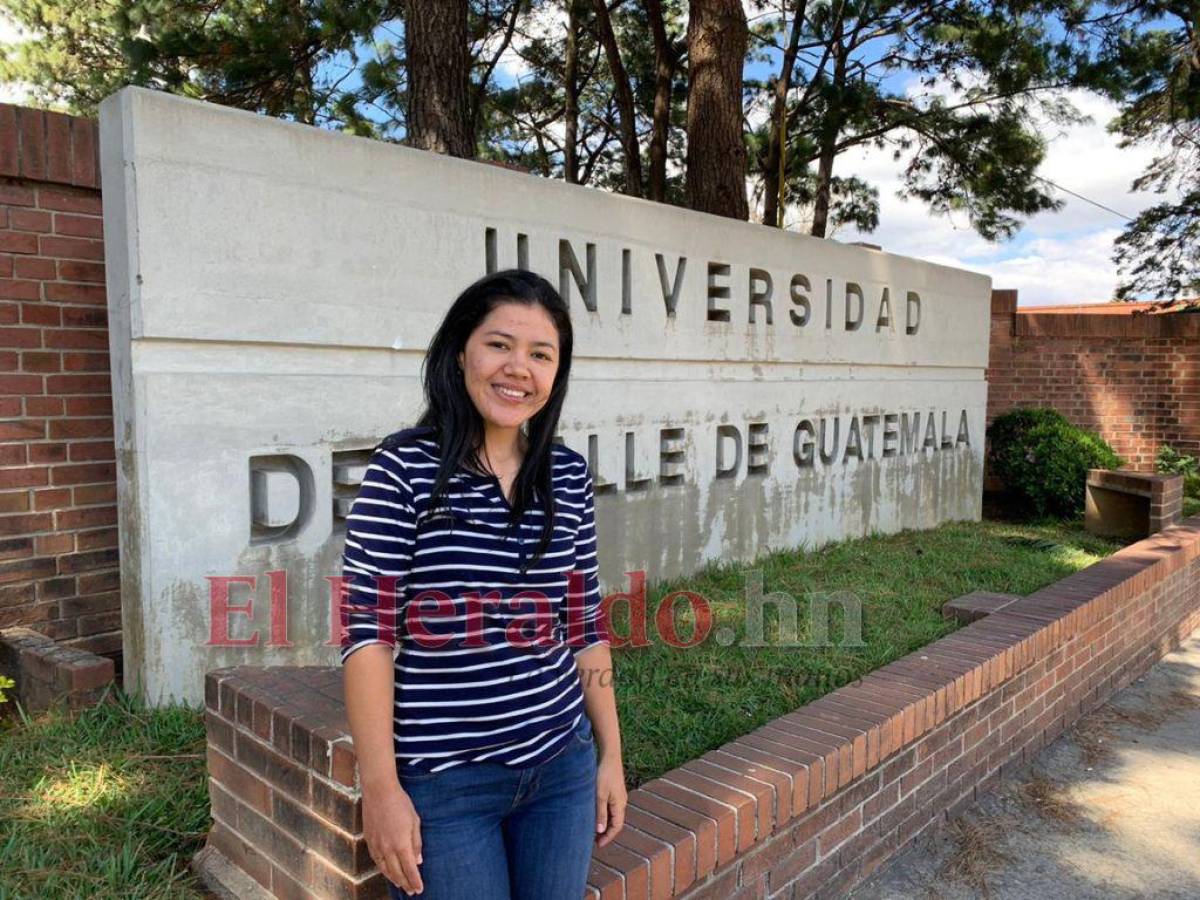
(46, 672)
(807, 805)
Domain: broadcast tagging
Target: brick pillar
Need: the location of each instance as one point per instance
(58, 515)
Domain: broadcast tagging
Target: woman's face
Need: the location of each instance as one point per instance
(514, 347)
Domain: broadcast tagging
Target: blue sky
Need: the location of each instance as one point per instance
(1056, 258)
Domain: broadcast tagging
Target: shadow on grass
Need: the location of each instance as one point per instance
(110, 802)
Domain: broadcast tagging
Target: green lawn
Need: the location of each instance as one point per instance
(113, 803)
(676, 704)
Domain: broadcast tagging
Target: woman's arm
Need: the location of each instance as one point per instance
(594, 665)
(391, 825)
(380, 533)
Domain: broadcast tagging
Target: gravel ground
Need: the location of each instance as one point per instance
(1109, 810)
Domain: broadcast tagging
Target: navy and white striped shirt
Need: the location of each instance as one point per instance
(486, 663)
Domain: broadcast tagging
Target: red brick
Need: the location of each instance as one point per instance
(78, 226)
(714, 795)
(40, 314)
(11, 289)
(29, 220)
(97, 539)
(86, 562)
(60, 292)
(70, 201)
(72, 384)
(76, 270)
(29, 476)
(18, 242)
(84, 162)
(85, 362)
(32, 128)
(71, 247)
(829, 839)
(58, 146)
(702, 826)
(88, 317)
(92, 450)
(41, 361)
(24, 524)
(95, 493)
(681, 839)
(23, 430)
(51, 498)
(10, 153)
(80, 428)
(102, 622)
(76, 339)
(243, 784)
(90, 517)
(14, 501)
(89, 406)
(724, 817)
(634, 869)
(17, 195)
(46, 453)
(21, 337)
(83, 474)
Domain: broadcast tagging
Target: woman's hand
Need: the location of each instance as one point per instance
(611, 799)
(392, 830)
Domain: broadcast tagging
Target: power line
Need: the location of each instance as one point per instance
(1107, 209)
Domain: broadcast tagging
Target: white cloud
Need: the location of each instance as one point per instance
(15, 92)
(1058, 257)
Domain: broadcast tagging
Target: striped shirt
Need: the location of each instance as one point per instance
(485, 665)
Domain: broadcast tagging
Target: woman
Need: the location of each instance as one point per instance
(471, 550)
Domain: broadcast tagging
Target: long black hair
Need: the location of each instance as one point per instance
(457, 425)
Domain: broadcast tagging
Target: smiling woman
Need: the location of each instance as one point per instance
(476, 737)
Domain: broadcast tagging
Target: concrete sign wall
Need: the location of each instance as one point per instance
(272, 288)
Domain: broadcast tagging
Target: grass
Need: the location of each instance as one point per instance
(112, 802)
(676, 704)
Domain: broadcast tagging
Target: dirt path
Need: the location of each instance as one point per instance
(1110, 810)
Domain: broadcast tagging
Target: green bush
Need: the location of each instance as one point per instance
(1043, 460)
(1171, 462)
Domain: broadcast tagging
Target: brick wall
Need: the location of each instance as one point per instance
(805, 806)
(58, 534)
(1133, 379)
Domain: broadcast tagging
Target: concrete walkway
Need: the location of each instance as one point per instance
(1110, 810)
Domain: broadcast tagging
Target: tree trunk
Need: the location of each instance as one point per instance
(624, 95)
(439, 101)
(571, 93)
(827, 141)
(664, 75)
(716, 154)
(772, 208)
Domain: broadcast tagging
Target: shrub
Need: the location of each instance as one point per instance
(1043, 460)
(1171, 462)
(5, 685)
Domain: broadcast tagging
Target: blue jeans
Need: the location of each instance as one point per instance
(493, 832)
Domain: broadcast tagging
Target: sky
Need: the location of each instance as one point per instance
(1057, 257)
(1061, 257)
